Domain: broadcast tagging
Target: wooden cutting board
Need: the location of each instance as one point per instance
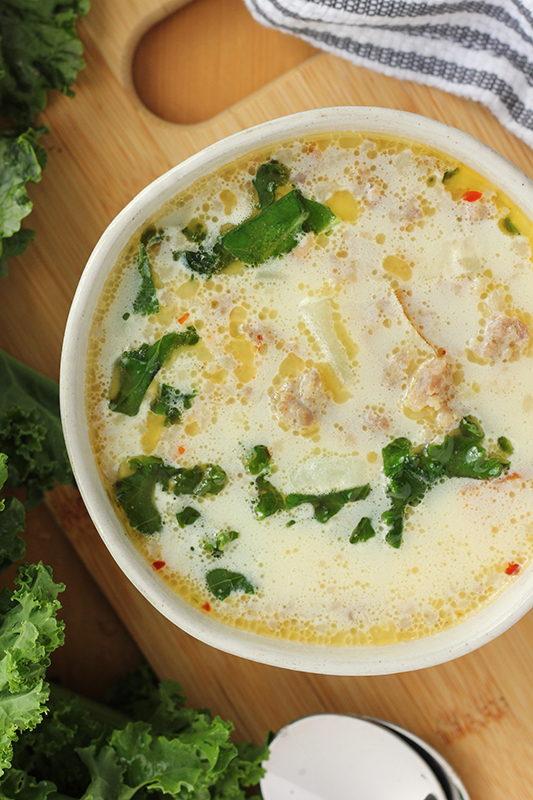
(104, 147)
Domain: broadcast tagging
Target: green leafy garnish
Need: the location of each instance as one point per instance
(152, 236)
(206, 262)
(270, 499)
(198, 480)
(195, 231)
(212, 482)
(222, 583)
(171, 403)
(274, 232)
(413, 471)
(449, 174)
(507, 225)
(39, 51)
(30, 430)
(135, 493)
(269, 176)
(138, 368)
(216, 547)
(187, 516)
(23, 161)
(320, 217)
(327, 505)
(505, 445)
(146, 301)
(257, 462)
(363, 531)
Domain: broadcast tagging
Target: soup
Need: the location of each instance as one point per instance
(309, 390)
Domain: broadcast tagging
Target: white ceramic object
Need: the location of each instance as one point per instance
(337, 757)
(444, 646)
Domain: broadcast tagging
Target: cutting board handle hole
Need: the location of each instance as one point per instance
(209, 55)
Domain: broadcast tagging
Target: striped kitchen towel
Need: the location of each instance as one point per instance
(473, 48)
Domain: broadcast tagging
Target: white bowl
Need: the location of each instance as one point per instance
(451, 643)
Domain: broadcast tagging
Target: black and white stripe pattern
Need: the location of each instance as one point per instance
(475, 49)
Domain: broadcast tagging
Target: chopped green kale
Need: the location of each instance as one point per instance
(171, 403)
(216, 548)
(205, 262)
(39, 51)
(222, 583)
(505, 445)
(510, 227)
(30, 430)
(320, 217)
(138, 368)
(413, 471)
(269, 176)
(198, 481)
(146, 301)
(12, 516)
(276, 230)
(449, 174)
(152, 236)
(327, 505)
(23, 161)
(257, 462)
(195, 231)
(270, 499)
(135, 493)
(363, 531)
(187, 516)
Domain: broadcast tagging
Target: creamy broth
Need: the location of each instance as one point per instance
(408, 314)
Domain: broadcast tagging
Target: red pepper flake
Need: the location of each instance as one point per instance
(471, 196)
(513, 569)
(206, 607)
(158, 564)
(184, 318)
(181, 450)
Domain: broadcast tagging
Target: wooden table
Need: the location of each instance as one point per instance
(211, 71)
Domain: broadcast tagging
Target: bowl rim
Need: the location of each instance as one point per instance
(473, 632)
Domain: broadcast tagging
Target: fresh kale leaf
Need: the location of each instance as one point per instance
(187, 516)
(12, 515)
(413, 471)
(222, 583)
(137, 368)
(142, 743)
(152, 236)
(39, 51)
(135, 493)
(257, 462)
(327, 505)
(270, 499)
(216, 547)
(171, 403)
(146, 301)
(213, 480)
(30, 430)
(29, 632)
(363, 531)
(269, 176)
(23, 161)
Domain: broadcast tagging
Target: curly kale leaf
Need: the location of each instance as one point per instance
(29, 632)
(23, 161)
(30, 430)
(39, 51)
(12, 515)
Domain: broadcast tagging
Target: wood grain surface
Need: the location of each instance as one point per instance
(104, 146)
